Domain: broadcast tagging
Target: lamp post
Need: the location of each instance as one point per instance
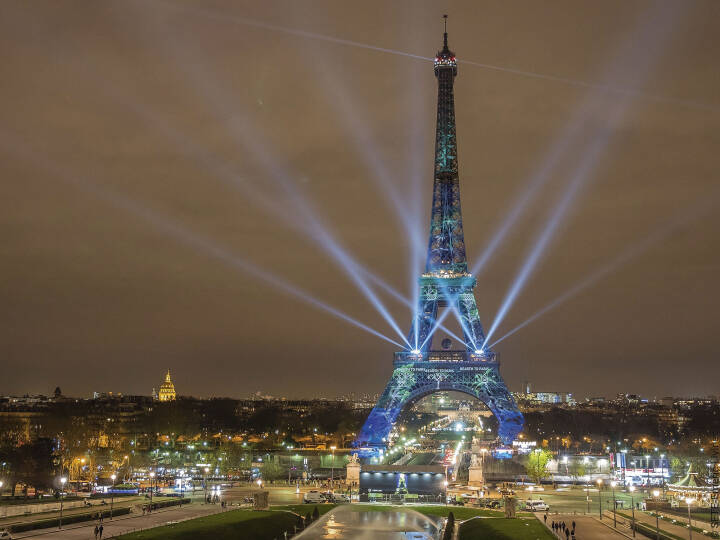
(647, 459)
(152, 479)
(112, 494)
(656, 494)
(332, 467)
(205, 484)
(62, 490)
(689, 502)
(662, 471)
(599, 483)
(613, 484)
(631, 489)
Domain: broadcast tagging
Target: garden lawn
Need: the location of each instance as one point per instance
(232, 525)
(504, 529)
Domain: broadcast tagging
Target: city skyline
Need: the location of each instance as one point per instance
(143, 164)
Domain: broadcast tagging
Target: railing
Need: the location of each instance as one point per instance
(446, 356)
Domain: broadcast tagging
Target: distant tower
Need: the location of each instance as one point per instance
(167, 389)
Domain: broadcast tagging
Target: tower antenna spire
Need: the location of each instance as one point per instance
(445, 17)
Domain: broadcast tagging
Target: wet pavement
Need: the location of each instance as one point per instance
(354, 523)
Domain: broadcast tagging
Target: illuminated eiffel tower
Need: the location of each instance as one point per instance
(446, 283)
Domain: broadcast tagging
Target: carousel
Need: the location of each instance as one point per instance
(689, 488)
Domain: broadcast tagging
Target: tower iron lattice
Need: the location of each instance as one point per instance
(715, 492)
(446, 283)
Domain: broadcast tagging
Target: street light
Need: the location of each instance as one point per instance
(112, 493)
(599, 483)
(205, 483)
(656, 494)
(62, 490)
(613, 484)
(332, 467)
(152, 479)
(689, 502)
(631, 489)
(662, 471)
(647, 458)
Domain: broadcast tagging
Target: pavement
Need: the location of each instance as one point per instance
(119, 502)
(279, 495)
(586, 527)
(679, 528)
(125, 524)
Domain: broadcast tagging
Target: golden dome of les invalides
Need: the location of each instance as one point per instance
(167, 389)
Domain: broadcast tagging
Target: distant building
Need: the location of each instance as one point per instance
(167, 389)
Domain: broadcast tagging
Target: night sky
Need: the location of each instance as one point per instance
(141, 143)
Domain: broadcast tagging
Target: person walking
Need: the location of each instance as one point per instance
(100, 530)
(96, 531)
(567, 534)
(545, 518)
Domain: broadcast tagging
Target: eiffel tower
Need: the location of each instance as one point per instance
(445, 283)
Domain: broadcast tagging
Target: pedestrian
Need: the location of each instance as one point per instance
(573, 525)
(100, 530)
(545, 518)
(96, 531)
(567, 534)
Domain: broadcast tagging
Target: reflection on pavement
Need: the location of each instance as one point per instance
(354, 523)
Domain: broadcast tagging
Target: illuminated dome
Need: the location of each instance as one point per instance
(167, 389)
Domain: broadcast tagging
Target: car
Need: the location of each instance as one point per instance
(537, 505)
(4, 535)
(313, 496)
(340, 498)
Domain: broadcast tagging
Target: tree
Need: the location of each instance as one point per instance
(30, 464)
(537, 464)
(577, 469)
(315, 514)
(272, 470)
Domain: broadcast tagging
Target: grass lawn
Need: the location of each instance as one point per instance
(504, 529)
(232, 525)
(682, 514)
(267, 525)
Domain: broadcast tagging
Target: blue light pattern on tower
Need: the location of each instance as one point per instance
(445, 283)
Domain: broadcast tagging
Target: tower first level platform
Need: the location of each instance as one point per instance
(412, 380)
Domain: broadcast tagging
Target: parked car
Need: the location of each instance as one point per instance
(313, 496)
(340, 498)
(4, 535)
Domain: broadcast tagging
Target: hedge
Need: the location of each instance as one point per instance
(67, 520)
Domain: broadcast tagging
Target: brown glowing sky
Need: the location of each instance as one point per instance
(144, 100)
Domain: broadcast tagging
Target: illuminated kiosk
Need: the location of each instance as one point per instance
(408, 483)
(446, 283)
